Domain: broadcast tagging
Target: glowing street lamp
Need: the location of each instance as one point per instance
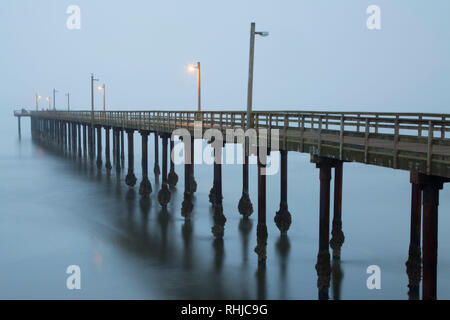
(103, 89)
(48, 100)
(38, 97)
(192, 68)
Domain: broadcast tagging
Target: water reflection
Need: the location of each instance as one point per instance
(337, 276)
(245, 228)
(188, 252)
(283, 247)
(185, 261)
(261, 288)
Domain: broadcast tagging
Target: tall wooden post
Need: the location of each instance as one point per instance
(164, 193)
(90, 143)
(99, 147)
(261, 235)
(218, 230)
(117, 155)
(122, 147)
(187, 205)
(173, 177)
(107, 149)
(323, 266)
(337, 236)
(194, 183)
(430, 236)
(414, 263)
(130, 179)
(74, 139)
(145, 188)
(156, 169)
(84, 140)
(79, 140)
(283, 217)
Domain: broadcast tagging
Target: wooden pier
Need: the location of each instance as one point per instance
(405, 141)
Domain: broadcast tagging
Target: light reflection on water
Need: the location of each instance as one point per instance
(58, 211)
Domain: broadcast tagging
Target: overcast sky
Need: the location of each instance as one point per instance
(319, 55)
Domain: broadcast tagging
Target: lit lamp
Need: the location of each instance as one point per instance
(103, 89)
(192, 68)
(38, 97)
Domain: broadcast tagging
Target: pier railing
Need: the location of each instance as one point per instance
(410, 141)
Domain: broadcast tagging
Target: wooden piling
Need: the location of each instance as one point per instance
(337, 236)
(430, 237)
(130, 179)
(99, 147)
(145, 187)
(283, 217)
(156, 169)
(117, 155)
(261, 231)
(173, 177)
(164, 193)
(107, 149)
(414, 263)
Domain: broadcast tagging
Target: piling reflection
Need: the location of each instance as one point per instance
(337, 276)
(245, 228)
(323, 269)
(261, 288)
(150, 235)
(283, 247)
(188, 252)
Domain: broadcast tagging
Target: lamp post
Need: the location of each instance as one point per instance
(54, 98)
(92, 100)
(91, 129)
(103, 89)
(68, 101)
(193, 68)
(245, 205)
(250, 71)
(49, 100)
(38, 97)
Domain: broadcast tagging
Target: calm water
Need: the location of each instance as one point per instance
(56, 211)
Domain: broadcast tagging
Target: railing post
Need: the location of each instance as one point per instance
(341, 138)
(366, 141)
(319, 136)
(419, 133)
(286, 124)
(302, 133)
(430, 146)
(357, 123)
(396, 138)
(376, 123)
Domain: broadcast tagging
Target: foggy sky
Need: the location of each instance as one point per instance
(319, 55)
